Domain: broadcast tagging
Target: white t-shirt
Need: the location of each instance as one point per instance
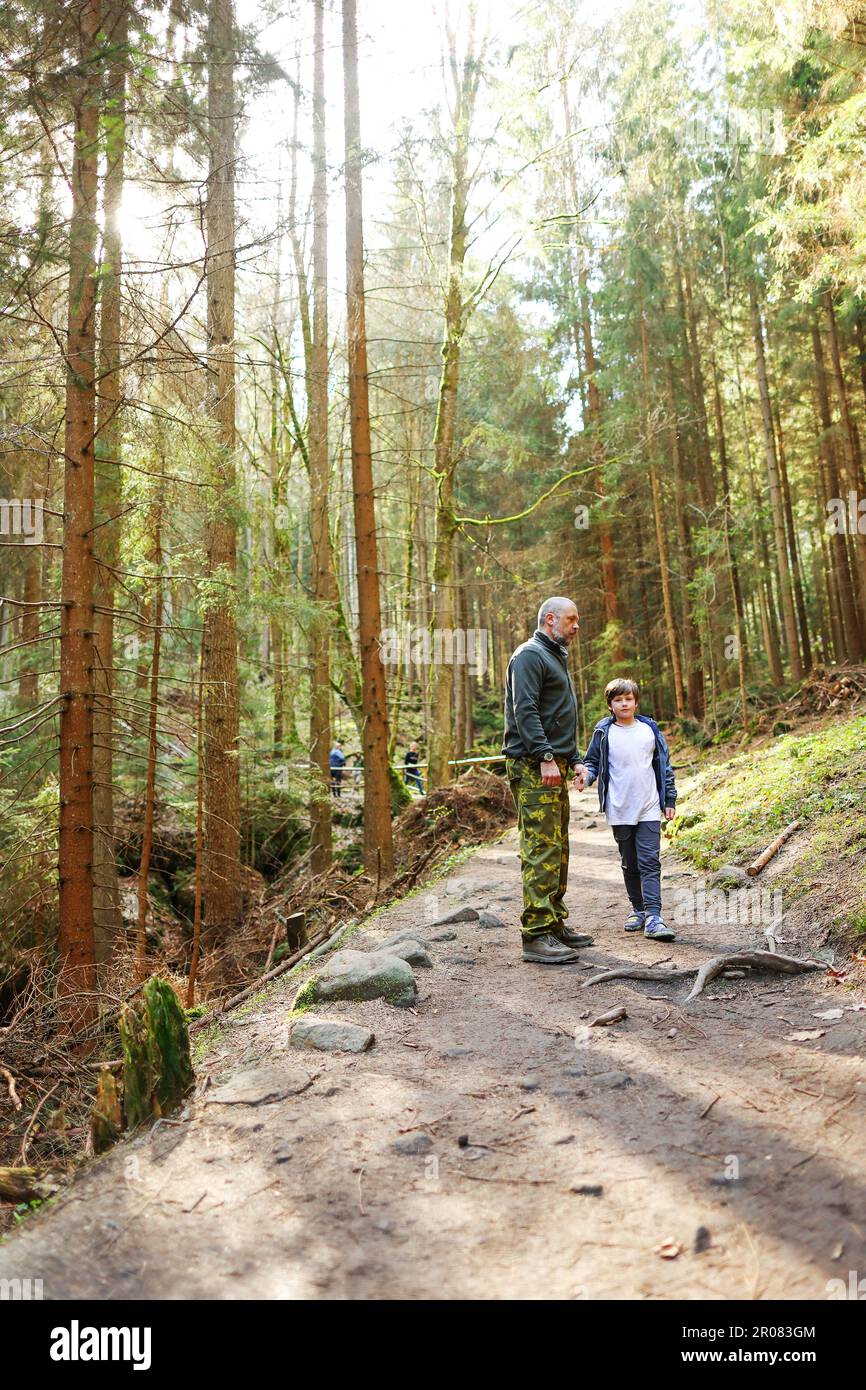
(632, 794)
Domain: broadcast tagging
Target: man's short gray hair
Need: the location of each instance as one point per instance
(556, 606)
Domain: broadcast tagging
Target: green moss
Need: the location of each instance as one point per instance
(304, 999)
(732, 810)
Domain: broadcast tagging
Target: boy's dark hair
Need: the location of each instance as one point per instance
(621, 687)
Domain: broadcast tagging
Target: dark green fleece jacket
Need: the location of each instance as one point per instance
(540, 703)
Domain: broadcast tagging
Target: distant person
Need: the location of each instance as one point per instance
(337, 760)
(411, 774)
(629, 759)
(357, 768)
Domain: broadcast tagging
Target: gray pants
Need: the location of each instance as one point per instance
(639, 852)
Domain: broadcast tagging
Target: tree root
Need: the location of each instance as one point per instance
(758, 960)
(638, 972)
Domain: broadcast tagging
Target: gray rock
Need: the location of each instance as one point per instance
(260, 1086)
(460, 914)
(443, 936)
(330, 1035)
(588, 1189)
(407, 934)
(413, 1144)
(591, 825)
(412, 952)
(730, 876)
(366, 975)
(489, 919)
(530, 1083)
(459, 960)
(457, 1052)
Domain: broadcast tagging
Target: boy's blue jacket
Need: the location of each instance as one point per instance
(596, 762)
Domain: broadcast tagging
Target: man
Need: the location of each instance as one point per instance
(337, 761)
(540, 746)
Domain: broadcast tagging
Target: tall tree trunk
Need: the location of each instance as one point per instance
(733, 569)
(850, 616)
(222, 854)
(784, 572)
(31, 594)
(150, 780)
(661, 541)
(465, 79)
(848, 437)
(404, 671)
(793, 548)
(860, 339)
(107, 915)
(695, 385)
(691, 638)
(321, 842)
(279, 521)
(76, 943)
(378, 843)
(584, 340)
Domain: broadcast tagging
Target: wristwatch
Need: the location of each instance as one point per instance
(548, 758)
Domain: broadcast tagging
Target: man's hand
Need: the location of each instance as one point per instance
(670, 812)
(550, 775)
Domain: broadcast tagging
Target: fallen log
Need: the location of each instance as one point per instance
(759, 960)
(772, 850)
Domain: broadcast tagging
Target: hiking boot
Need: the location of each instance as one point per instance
(547, 950)
(636, 922)
(576, 939)
(657, 930)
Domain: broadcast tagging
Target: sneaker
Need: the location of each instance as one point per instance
(635, 922)
(657, 930)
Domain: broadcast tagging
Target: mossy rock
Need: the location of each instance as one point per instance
(360, 975)
(305, 997)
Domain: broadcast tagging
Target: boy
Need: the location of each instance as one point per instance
(629, 758)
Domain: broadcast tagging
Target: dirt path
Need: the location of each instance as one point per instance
(307, 1196)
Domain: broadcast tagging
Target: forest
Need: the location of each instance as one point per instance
(331, 346)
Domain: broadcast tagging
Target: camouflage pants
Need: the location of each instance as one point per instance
(542, 821)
